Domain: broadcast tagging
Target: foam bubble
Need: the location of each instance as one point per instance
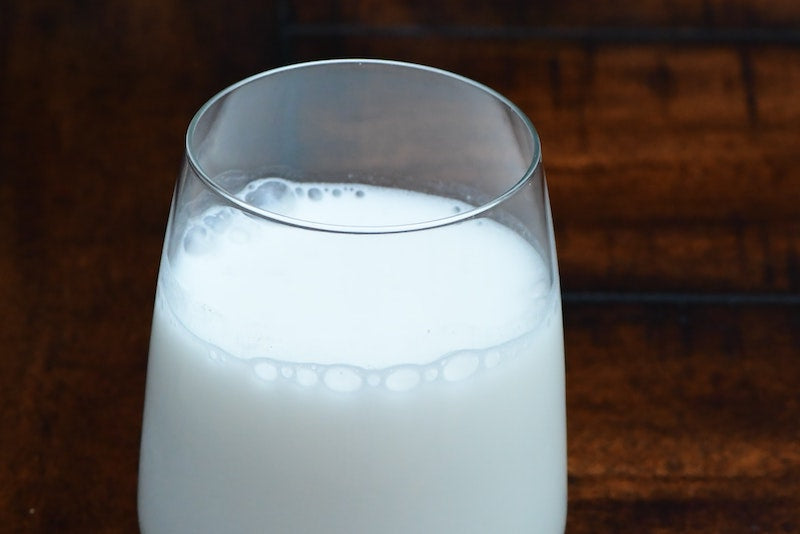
(306, 376)
(196, 241)
(403, 379)
(266, 371)
(218, 222)
(340, 378)
(460, 366)
(314, 193)
(269, 193)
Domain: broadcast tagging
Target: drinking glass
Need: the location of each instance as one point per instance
(357, 326)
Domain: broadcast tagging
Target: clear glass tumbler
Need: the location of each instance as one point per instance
(357, 325)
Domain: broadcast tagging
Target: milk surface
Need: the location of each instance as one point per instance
(312, 382)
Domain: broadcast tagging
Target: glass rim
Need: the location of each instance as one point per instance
(209, 181)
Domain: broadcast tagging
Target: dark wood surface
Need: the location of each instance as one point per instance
(671, 133)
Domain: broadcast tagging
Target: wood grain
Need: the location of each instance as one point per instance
(516, 13)
(699, 401)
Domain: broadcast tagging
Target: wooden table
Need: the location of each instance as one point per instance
(671, 134)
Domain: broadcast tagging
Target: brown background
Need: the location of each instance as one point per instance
(671, 132)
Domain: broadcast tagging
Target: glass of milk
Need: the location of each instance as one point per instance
(357, 325)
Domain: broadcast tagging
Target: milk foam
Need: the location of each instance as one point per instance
(391, 310)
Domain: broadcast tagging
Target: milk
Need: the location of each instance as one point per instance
(313, 382)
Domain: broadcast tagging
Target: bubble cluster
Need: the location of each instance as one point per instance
(268, 193)
(272, 194)
(197, 241)
(319, 202)
(279, 195)
(201, 233)
(454, 367)
(218, 221)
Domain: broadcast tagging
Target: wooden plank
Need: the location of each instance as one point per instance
(145, 60)
(679, 256)
(77, 385)
(687, 516)
(628, 13)
(684, 411)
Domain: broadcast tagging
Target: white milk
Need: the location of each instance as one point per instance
(311, 382)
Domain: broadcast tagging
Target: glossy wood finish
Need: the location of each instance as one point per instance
(670, 133)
